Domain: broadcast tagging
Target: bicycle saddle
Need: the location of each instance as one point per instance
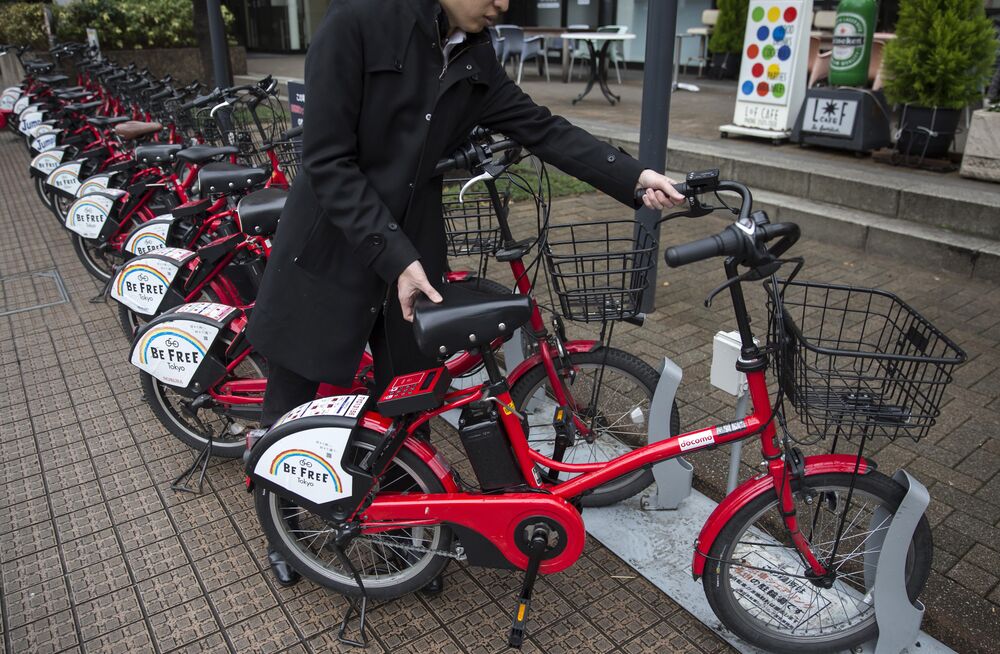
(52, 79)
(466, 319)
(152, 155)
(134, 129)
(199, 154)
(106, 121)
(222, 177)
(259, 212)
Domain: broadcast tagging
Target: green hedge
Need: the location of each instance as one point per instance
(942, 55)
(131, 24)
(21, 22)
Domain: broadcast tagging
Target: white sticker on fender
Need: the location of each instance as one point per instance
(93, 184)
(172, 351)
(308, 464)
(29, 120)
(142, 283)
(46, 162)
(66, 177)
(210, 310)
(180, 255)
(44, 142)
(149, 237)
(9, 98)
(697, 439)
(41, 129)
(87, 216)
(348, 406)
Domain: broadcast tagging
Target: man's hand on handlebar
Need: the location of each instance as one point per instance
(411, 284)
(660, 192)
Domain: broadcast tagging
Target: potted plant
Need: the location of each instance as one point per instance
(726, 42)
(940, 60)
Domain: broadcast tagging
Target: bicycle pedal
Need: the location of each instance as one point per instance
(517, 630)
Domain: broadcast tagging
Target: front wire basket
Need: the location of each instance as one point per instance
(470, 225)
(599, 270)
(858, 361)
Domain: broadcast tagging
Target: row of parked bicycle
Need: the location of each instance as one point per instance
(172, 195)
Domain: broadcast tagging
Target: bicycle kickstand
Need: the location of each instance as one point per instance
(106, 291)
(199, 465)
(539, 539)
(352, 604)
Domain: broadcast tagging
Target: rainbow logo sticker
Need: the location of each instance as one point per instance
(171, 333)
(135, 270)
(146, 242)
(309, 466)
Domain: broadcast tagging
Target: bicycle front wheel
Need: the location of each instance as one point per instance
(755, 582)
(619, 418)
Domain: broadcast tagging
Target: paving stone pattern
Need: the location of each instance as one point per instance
(97, 554)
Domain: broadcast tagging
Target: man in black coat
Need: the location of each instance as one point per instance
(393, 86)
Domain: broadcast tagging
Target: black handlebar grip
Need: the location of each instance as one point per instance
(727, 242)
(788, 232)
(681, 188)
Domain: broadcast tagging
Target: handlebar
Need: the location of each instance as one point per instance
(743, 240)
(473, 155)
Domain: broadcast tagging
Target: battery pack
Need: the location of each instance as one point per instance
(488, 450)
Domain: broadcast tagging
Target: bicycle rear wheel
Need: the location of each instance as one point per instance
(754, 578)
(620, 417)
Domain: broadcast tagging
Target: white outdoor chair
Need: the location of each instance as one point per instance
(709, 18)
(577, 49)
(523, 48)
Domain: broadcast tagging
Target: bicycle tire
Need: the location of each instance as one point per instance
(718, 577)
(98, 267)
(628, 367)
(43, 195)
(157, 394)
(268, 504)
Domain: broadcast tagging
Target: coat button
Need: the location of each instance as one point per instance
(295, 260)
(376, 239)
(392, 227)
(398, 65)
(468, 67)
(372, 309)
(427, 117)
(611, 158)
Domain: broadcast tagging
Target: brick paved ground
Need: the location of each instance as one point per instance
(99, 555)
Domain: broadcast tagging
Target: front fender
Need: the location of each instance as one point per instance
(754, 487)
(572, 347)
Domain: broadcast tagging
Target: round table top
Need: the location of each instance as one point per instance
(597, 36)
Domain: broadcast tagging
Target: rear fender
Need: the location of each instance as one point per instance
(572, 347)
(753, 488)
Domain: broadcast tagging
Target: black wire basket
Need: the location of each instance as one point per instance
(470, 226)
(289, 157)
(599, 270)
(859, 361)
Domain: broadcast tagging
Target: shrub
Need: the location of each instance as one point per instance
(132, 24)
(728, 33)
(21, 23)
(942, 55)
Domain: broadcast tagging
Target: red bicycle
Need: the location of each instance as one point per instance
(602, 394)
(357, 502)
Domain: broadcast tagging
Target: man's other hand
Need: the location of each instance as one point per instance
(411, 283)
(660, 192)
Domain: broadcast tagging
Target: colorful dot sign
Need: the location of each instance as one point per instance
(778, 90)
(784, 52)
(753, 50)
(763, 32)
(747, 87)
(769, 51)
(773, 14)
(757, 70)
(758, 14)
(773, 71)
(779, 33)
(762, 89)
(791, 15)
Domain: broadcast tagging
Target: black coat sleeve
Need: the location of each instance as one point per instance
(334, 74)
(510, 110)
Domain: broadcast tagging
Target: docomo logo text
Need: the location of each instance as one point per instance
(696, 440)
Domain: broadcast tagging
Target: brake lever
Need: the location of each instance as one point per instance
(490, 172)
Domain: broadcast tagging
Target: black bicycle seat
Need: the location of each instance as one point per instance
(199, 154)
(154, 155)
(225, 178)
(259, 212)
(466, 319)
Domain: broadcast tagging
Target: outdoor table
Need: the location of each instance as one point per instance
(598, 61)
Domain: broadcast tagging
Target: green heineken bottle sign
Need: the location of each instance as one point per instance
(852, 42)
